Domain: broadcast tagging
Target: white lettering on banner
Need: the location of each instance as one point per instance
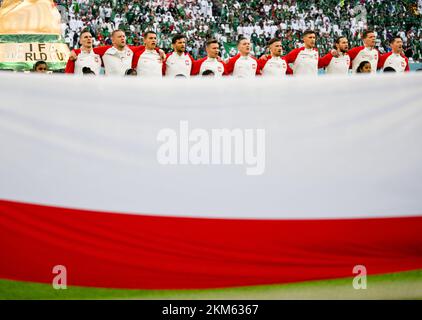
(220, 146)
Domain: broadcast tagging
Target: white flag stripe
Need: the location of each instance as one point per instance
(335, 147)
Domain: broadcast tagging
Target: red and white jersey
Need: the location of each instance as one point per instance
(216, 65)
(360, 54)
(335, 65)
(148, 63)
(305, 61)
(176, 64)
(274, 67)
(243, 66)
(399, 62)
(117, 62)
(90, 59)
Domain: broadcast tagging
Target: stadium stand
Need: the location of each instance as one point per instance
(259, 20)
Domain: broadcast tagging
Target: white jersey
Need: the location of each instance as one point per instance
(398, 62)
(274, 67)
(90, 60)
(149, 64)
(213, 64)
(243, 66)
(116, 62)
(333, 65)
(305, 61)
(178, 64)
(360, 54)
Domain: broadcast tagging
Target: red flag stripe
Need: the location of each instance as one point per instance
(152, 252)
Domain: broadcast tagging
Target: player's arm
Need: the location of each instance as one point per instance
(289, 70)
(165, 64)
(135, 59)
(325, 60)
(292, 55)
(225, 67)
(193, 65)
(196, 66)
(407, 69)
(70, 65)
(381, 60)
(101, 50)
(258, 68)
(353, 53)
(230, 64)
(262, 62)
(135, 49)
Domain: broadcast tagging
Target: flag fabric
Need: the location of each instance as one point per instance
(230, 50)
(82, 184)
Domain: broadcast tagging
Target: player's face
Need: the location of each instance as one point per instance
(309, 40)
(150, 41)
(343, 45)
(213, 50)
(86, 40)
(119, 39)
(244, 47)
(397, 46)
(276, 49)
(370, 40)
(180, 46)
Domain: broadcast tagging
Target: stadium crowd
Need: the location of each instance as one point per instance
(259, 20)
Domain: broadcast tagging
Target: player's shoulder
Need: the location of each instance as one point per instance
(297, 50)
(356, 49)
(234, 58)
(202, 60)
(219, 59)
(169, 55)
(138, 52)
(106, 50)
(187, 54)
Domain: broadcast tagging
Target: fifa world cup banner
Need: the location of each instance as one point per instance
(20, 52)
(30, 31)
(205, 183)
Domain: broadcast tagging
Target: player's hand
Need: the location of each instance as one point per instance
(334, 53)
(162, 54)
(264, 57)
(73, 56)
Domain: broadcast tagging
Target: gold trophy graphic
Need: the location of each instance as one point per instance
(30, 30)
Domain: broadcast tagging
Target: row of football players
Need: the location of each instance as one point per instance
(150, 61)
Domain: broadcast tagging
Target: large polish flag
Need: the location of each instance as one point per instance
(338, 180)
